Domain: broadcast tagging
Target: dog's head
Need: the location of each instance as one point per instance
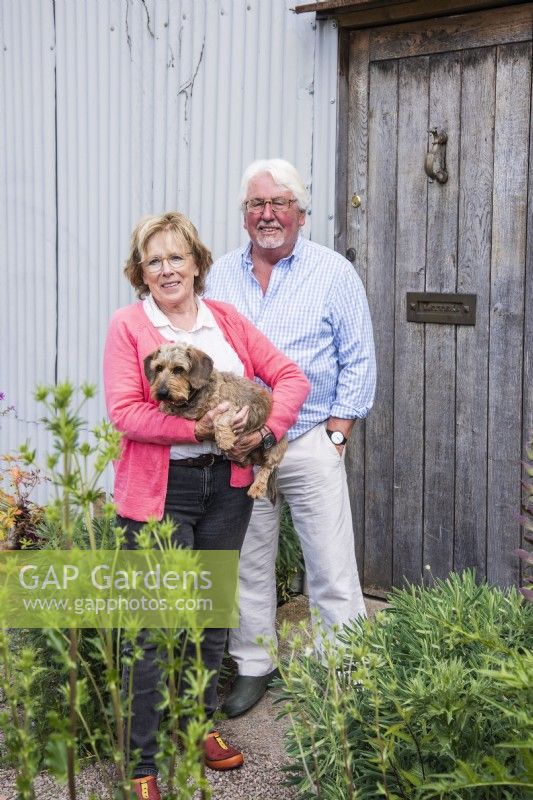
(175, 373)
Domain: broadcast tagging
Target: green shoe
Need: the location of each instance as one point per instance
(246, 692)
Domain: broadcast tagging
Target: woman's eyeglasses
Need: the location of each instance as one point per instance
(155, 264)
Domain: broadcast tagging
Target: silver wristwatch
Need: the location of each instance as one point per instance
(337, 437)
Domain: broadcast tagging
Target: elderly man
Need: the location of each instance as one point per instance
(311, 303)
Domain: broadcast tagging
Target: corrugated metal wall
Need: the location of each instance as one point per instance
(117, 108)
(27, 214)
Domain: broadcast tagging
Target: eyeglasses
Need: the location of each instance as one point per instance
(155, 264)
(257, 204)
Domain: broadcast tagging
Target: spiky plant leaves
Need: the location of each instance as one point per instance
(420, 692)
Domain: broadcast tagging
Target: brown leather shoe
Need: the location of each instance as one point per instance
(146, 788)
(218, 754)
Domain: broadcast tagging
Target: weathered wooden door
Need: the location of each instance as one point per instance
(435, 473)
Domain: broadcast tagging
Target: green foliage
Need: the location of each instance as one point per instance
(19, 516)
(432, 699)
(289, 562)
(18, 714)
(91, 714)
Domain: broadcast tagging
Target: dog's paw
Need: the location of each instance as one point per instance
(255, 493)
(225, 438)
(259, 487)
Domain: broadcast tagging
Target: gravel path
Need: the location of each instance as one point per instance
(259, 734)
(260, 778)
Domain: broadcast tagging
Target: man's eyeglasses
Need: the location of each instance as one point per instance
(257, 204)
(155, 264)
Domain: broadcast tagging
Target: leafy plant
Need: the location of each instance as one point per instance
(495, 774)
(44, 645)
(428, 700)
(19, 713)
(289, 561)
(92, 712)
(19, 516)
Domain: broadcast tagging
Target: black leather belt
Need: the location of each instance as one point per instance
(207, 460)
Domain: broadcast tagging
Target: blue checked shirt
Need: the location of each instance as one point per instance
(316, 312)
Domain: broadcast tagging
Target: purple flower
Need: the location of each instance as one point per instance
(2, 395)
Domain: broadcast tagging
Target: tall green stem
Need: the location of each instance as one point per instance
(73, 641)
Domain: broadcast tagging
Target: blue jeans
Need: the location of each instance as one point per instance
(211, 515)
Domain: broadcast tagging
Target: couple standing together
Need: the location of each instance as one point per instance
(294, 314)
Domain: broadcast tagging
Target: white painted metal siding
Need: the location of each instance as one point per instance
(27, 214)
(111, 109)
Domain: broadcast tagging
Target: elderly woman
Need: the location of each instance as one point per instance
(171, 466)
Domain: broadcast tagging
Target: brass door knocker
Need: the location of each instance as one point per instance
(435, 162)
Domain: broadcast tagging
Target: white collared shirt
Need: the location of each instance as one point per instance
(207, 336)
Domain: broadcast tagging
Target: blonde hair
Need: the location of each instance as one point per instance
(179, 225)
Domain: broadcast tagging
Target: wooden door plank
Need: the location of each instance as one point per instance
(527, 429)
(411, 215)
(356, 238)
(382, 143)
(342, 158)
(461, 32)
(358, 150)
(475, 223)
(441, 276)
(511, 142)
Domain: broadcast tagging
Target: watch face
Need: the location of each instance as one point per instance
(337, 437)
(269, 441)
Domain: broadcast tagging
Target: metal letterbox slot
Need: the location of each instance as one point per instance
(444, 309)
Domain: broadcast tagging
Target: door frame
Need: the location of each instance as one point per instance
(371, 13)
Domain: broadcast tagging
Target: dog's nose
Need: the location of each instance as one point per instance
(162, 393)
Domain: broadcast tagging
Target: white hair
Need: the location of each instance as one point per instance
(283, 173)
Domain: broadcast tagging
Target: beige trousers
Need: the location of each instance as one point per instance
(312, 479)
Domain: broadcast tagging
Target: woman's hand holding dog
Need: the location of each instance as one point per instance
(244, 445)
(205, 429)
(205, 426)
(240, 420)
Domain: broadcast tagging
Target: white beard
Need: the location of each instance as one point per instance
(269, 241)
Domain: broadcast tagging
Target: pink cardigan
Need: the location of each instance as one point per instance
(141, 473)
